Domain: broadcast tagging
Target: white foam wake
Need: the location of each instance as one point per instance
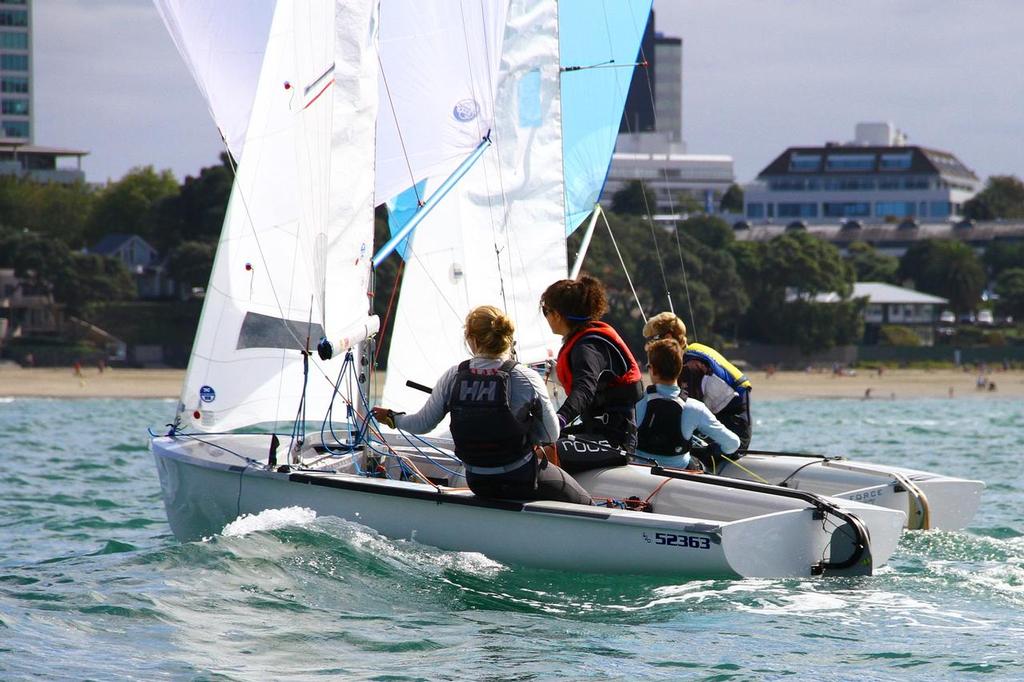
(269, 519)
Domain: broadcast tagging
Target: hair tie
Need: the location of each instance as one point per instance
(577, 318)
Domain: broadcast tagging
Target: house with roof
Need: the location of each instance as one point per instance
(142, 260)
(890, 304)
(876, 177)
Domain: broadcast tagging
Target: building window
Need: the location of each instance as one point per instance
(14, 62)
(14, 84)
(798, 210)
(804, 163)
(847, 209)
(15, 128)
(901, 161)
(14, 40)
(939, 209)
(12, 2)
(770, 208)
(787, 184)
(896, 209)
(848, 162)
(13, 17)
(15, 106)
(755, 210)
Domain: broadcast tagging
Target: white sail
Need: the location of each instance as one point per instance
(223, 44)
(438, 61)
(498, 238)
(289, 267)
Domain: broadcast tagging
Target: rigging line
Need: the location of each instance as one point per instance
(387, 311)
(671, 204)
(626, 271)
(398, 129)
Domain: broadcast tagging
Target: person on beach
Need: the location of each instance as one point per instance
(668, 420)
(708, 376)
(499, 411)
(601, 378)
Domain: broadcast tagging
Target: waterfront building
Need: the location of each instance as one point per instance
(877, 177)
(650, 146)
(18, 153)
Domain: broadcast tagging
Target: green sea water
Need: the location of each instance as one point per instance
(93, 586)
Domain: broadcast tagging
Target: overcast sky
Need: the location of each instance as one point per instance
(757, 77)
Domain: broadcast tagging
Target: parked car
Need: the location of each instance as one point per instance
(967, 318)
(947, 317)
(985, 317)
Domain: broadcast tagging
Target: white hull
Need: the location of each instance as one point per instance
(931, 501)
(695, 529)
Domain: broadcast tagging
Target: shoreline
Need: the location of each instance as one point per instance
(891, 384)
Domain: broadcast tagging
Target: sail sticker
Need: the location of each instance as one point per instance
(207, 394)
(466, 110)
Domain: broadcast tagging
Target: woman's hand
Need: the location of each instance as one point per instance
(384, 416)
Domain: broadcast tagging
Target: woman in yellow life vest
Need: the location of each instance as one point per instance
(708, 376)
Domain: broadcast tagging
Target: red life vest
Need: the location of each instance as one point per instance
(606, 332)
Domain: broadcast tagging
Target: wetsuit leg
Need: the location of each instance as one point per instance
(535, 480)
(554, 484)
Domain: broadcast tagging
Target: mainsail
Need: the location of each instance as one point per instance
(501, 239)
(490, 241)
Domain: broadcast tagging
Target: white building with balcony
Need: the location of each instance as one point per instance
(874, 178)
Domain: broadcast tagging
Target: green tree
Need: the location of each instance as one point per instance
(945, 268)
(634, 199)
(688, 203)
(805, 265)
(869, 265)
(91, 278)
(711, 231)
(53, 209)
(190, 263)
(1010, 288)
(196, 212)
(732, 200)
(782, 277)
(128, 206)
(1003, 197)
(1000, 256)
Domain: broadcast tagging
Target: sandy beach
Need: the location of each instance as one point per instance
(892, 384)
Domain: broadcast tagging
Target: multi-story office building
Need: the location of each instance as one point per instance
(15, 71)
(877, 177)
(650, 146)
(18, 155)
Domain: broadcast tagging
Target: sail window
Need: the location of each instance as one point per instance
(264, 331)
(529, 100)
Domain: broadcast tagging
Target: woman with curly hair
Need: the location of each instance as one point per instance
(601, 378)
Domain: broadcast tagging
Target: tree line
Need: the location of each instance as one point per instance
(725, 289)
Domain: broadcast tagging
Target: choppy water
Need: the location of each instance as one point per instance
(93, 585)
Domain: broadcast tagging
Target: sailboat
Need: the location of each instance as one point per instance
(465, 118)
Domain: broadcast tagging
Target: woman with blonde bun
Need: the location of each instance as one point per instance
(500, 410)
(707, 376)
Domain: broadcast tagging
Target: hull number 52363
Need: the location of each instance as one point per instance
(674, 540)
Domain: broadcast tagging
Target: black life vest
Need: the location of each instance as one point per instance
(483, 426)
(661, 432)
